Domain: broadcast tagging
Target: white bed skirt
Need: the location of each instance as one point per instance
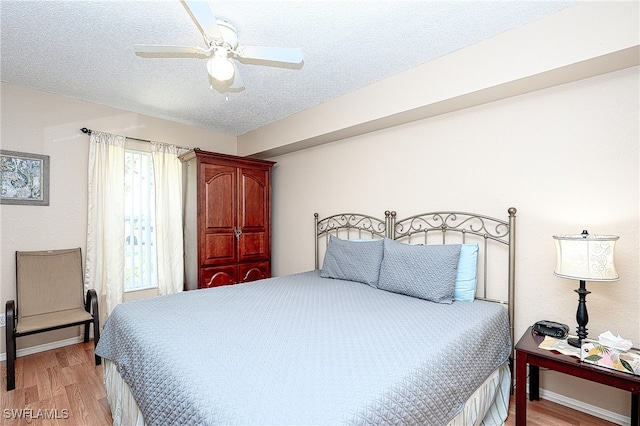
(488, 406)
(124, 409)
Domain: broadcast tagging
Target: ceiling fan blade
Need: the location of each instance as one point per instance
(275, 54)
(205, 19)
(160, 49)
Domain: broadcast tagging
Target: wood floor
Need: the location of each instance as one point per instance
(64, 387)
(57, 387)
(546, 413)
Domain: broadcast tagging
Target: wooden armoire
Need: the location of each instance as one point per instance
(227, 213)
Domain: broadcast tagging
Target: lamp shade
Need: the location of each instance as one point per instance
(586, 257)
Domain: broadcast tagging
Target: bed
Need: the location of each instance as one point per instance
(341, 344)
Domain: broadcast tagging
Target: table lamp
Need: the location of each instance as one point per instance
(585, 257)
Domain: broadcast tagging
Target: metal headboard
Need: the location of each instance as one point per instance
(435, 227)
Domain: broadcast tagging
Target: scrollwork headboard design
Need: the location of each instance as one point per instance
(441, 227)
(349, 226)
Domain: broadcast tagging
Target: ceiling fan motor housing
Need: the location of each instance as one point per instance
(229, 35)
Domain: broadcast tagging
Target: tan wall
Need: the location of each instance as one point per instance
(47, 124)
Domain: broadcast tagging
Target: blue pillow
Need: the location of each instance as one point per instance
(466, 278)
(353, 260)
(423, 271)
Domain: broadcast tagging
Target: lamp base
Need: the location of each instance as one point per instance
(575, 342)
(581, 315)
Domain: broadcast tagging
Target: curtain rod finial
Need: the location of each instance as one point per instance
(85, 130)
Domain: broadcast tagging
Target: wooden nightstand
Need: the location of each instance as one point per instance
(527, 353)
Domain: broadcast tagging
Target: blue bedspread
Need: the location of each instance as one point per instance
(302, 350)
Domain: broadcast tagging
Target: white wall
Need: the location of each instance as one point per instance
(568, 158)
(47, 124)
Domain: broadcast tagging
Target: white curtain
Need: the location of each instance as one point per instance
(167, 170)
(104, 266)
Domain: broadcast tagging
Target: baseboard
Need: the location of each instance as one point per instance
(585, 408)
(46, 347)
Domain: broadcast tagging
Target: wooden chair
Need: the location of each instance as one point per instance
(49, 296)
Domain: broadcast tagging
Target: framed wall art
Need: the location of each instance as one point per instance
(24, 178)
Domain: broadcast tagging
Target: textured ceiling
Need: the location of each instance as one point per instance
(84, 50)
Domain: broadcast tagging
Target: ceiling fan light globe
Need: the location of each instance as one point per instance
(220, 68)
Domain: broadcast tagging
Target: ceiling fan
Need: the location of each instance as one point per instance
(221, 47)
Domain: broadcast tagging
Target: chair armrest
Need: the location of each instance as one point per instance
(10, 311)
(91, 302)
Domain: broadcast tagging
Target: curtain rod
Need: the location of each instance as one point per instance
(89, 131)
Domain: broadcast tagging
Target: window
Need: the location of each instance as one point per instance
(140, 256)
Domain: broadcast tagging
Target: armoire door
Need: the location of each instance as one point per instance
(253, 214)
(218, 214)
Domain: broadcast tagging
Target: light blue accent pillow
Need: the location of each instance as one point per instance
(466, 279)
(353, 260)
(423, 271)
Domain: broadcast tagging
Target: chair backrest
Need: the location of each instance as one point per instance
(48, 281)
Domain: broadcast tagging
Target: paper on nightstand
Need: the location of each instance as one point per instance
(561, 345)
(609, 340)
